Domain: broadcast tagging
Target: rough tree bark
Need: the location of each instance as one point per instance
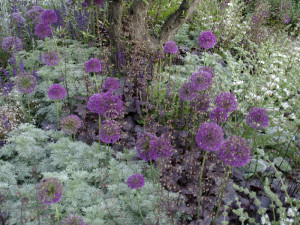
(137, 23)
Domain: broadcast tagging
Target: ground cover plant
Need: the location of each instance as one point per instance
(149, 112)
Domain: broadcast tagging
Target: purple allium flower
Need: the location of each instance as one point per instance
(161, 146)
(136, 181)
(93, 66)
(144, 148)
(56, 92)
(10, 44)
(42, 30)
(88, 2)
(218, 115)
(111, 105)
(26, 83)
(110, 132)
(19, 18)
(207, 39)
(73, 220)
(170, 47)
(51, 58)
(287, 19)
(210, 137)
(257, 118)
(48, 16)
(235, 151)
(34, 14)
(111, 84)
(226, 101)
(188, 92)
(50, 190)
(70, 124)
(207, 69)
(202, 103)
(202, 80)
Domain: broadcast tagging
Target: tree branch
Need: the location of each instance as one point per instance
(177, 19)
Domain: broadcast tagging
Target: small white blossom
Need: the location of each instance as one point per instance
(285, 105)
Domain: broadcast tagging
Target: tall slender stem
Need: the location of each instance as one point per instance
(139, 208)
(200, 183)
(96, 82)
(28, 103)
(57, 214)
(99, 140)
(57, 113)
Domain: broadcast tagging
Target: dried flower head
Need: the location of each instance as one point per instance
(48, 16)
(210, 137)
(12, 44)
(144, 148)
(170, 47)
(19, 19)
(226, 101)
(93, 65)
(51, 58)
(136, 181)
(207, 39)
(70, 124)
(26, 83)
(218, 115)
(56, 92)
(202, 80)
(235, 151)
(42, 30)
(73, 220)
(110, 132)
(188, 91)
(50, 190)
(88, 2)
(202, 103)
(257, 118)
(111, 84)
(161, 146)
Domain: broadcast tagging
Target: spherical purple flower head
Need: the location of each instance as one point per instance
(18, 18)
(72, 219)
(210, 137)
(70, 124)
(11, 44)
(26, 83)
(111, 84)
(93, 66)
(170, 47)
(136, 181)
(207, 69)
(218, 115)
(50, 190)
(226, 101)
(144, 148)
(257, 118)
(202, 80)
(34, 14)
(202, 103)
(188, 91)
(235, 151)
(51, 58)
(48, 16)
(42, 30)
(110, 132)
(161, 146)
(111, 105)
(56, 92)
(207, 39)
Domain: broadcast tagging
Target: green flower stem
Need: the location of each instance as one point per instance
(47, 44)
(152, 173)
(99, 138)
(222, 192)
(54, 39)
(96, 82)
(57, 113)
(204, 57)
(28, 103)
(200, 183)
(139, 208)
(57, 214)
